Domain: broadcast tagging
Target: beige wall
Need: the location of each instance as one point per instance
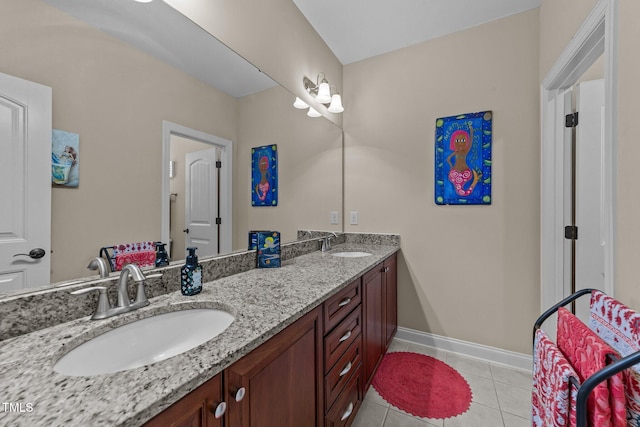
(559, 20)
(116, 106)
(466, 272)
(309, 167)
(273, 35)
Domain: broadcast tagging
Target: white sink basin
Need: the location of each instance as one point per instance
(144, 342)
(353, 254)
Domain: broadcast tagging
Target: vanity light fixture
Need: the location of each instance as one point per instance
(323, 93)
(143, 1)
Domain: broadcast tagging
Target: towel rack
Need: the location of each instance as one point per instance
(602, 375)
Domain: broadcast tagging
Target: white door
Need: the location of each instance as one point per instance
(25, 183)
(201, 201)
(590, 192)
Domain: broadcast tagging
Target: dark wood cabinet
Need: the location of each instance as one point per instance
(313, 373)
(281, 381)
(380, 314)
(196, 409)
(390, 286)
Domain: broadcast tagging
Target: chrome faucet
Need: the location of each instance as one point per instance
(123, 289)
(326, 241)
(124, 304)
(98, 263)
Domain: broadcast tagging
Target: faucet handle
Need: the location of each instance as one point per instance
(103, 300)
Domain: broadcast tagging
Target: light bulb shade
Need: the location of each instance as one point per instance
(324, 93)
(313, 113)
(336, 104)
(300, 104)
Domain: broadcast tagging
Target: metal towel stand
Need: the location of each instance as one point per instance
(602, 375)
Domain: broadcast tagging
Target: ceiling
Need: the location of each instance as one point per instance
(353, 30)
(359, 29)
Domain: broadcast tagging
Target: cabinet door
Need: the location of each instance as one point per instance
(373, 340)
(281, 380)
(196, 409)
(390, 299)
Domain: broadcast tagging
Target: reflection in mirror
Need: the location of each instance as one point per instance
(116, 96)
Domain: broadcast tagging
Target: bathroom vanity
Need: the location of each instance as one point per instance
(302, 349)
(316, 364)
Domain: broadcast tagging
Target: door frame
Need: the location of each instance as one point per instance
(596, 36)
(226, 174)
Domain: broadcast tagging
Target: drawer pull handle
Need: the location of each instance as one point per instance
(344, 302)
(345, 370)
(220, 409)
(345, 336)
(348, 412)
(240, 394)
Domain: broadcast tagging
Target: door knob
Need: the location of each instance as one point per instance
(36, 253)
(186, 230)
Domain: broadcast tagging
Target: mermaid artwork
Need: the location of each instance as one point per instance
(459, 172)
(262, 188)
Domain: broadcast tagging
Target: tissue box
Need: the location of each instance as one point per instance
(268, 248)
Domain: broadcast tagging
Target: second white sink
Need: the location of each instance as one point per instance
(351, 254)
(144, 342)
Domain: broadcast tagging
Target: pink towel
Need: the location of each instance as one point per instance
(142, 254)
(619, 326)
(550, 400)
(587, 353)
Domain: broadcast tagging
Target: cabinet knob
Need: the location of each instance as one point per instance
(348, 412)
(385, 270)
(345, 336)
(220, 409)
(240, 394)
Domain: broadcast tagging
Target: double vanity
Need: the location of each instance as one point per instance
(296, 345)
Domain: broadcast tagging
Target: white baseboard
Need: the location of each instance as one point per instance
(479, 351)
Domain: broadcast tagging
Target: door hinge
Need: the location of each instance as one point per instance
(218, 221)
(218, 164)
(571, 120)
(571, 232)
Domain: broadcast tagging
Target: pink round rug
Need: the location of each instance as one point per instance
(422, 386)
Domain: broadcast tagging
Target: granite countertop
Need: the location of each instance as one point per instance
(263, 301)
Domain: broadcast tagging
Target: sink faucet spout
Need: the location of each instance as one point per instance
(123, 289)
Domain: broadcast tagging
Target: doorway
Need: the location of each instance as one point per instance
(595, 38)
(196, 191)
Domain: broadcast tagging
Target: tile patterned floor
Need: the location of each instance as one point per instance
(501, 395)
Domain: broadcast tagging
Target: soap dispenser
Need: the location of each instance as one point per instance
(162, 257)
(191, 274)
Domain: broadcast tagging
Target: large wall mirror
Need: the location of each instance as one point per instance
(120, 71)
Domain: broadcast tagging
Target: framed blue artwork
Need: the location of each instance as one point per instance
(264, 176)
(463, 159)
(65, 158)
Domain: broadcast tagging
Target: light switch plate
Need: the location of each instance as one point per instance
(334, 217)
(353, 218)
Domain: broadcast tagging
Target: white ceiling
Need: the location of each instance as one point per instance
(353, 30)
(359, 29)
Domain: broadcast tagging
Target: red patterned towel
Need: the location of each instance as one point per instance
(142, 254)
(619, 326)
(588, 354)
(550, 399)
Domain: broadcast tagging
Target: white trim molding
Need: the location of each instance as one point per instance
(226, 178)
(596, 36)
(478, 351)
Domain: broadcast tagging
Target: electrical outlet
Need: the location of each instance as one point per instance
(354, 218)
(334, 217)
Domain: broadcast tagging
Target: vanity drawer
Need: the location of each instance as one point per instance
(341, 304)
(347, 366)
(343, 412)
(338, 340)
